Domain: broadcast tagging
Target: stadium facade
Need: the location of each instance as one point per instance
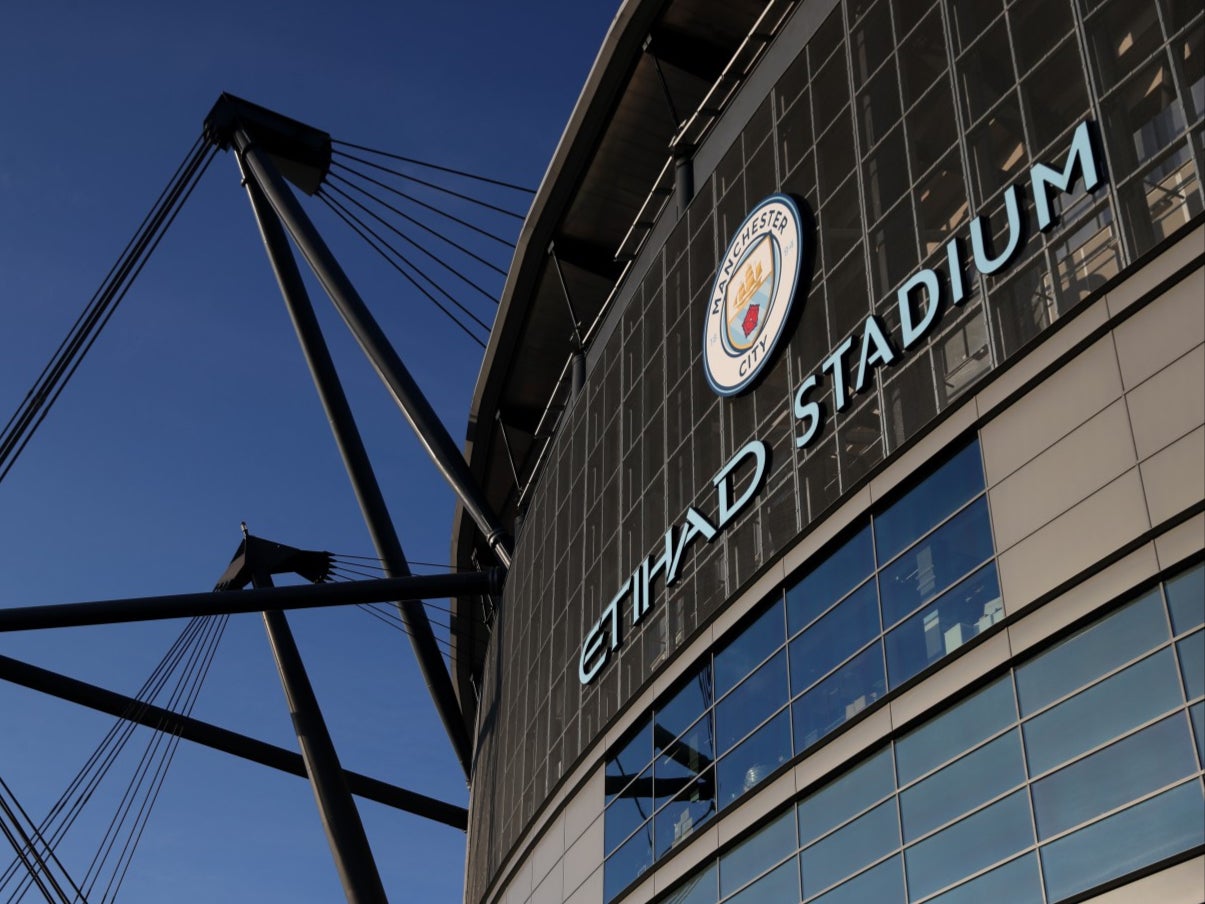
(848, 399)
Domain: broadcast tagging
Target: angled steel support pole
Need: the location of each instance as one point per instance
(359, 468)
(340, 818)
(430, 430)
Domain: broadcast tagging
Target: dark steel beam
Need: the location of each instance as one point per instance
(431, 432)
(359, 467)
(340, 819)
(209, 735)
(307, 596)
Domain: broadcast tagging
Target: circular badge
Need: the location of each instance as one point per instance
(752, 294)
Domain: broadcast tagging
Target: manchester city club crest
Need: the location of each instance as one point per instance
(754, 287)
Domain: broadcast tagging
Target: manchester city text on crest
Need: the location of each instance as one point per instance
(754, 287)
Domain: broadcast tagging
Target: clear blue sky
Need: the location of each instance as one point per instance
(194, 411)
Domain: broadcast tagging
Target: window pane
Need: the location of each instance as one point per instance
(828, 582)
(692, 806)
(625, 865)
(744, 652)
(780, 885)
(839, 697)
(686, 756)
(625, 765)
(1145, 833)
(1186, 599)
(702, 888)
(1120, 773)
(884, 882)
(767, 749)
(963, 785)
(955, 730)
(963, 543)
(1144, 690)
(990, 835)
(847, 850)
(1016, 882)
(1192, 664)
(841, 799)
(752, 702)
(672, 718)
(757, 854)
(945, 625)
(834, 637)
(629, 810)
(1124, 635)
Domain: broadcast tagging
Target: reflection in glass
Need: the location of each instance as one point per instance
(629, 810)
(1016, 882)
(1146, 689)
(752, 702)
(943, 626)
(851, 847)
(701, 888)
(839, 573)
(963, 785)
(1126, 634)
(1143, 834)
(672, 718)
(692, 806)
(958, 728)
(884, 882)
(978, 841)
(624, 766)
(757, 854)
(755, 758)
(934, 563)
(839, 697)
(851, 793)
(748, 649)
(941, 493)
(1121, 772)
(823, 646)
(1197, 716)
(627, 863)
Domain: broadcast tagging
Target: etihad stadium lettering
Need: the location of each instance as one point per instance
(874, 347)
(735, 486)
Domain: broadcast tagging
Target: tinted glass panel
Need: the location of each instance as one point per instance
(929, 502)
(627, 863)
(631, 808)
(850, 794)
(831, 580)
(757, 854)
(1134, 766)
(837, 635)
(1145, 833)
(944, 625)
(839, 697)
(780, 885)
(1016, 882)
(1144, 690)
(752, 702)
(955, 730)
(963, 785)
(673, 717)
(1198, 728)
(943, 557)
(990, 835)
(1123, 636)
(755, 758)
(748, 649)
(702, 888)
(1186, 599)
(630, 761)
(851, 847)
(884, 882)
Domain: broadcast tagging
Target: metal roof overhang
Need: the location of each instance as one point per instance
(614, 149)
